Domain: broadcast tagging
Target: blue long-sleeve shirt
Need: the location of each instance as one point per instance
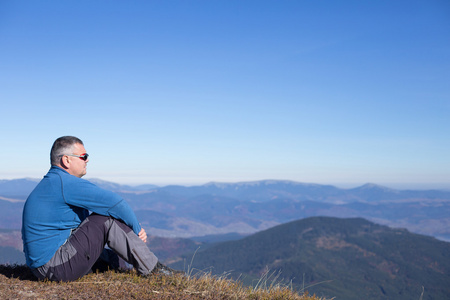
(58, 204)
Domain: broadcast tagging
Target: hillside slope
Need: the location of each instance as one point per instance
(342, 258)
(18, 283)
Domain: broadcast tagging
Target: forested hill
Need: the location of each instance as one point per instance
(342, 258)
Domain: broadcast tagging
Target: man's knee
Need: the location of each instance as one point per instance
(106, 221)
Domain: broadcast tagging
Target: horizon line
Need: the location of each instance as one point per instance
(348, 185)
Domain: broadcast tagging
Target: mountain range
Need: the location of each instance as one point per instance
(249, 207)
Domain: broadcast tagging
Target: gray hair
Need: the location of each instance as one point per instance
(62, 146)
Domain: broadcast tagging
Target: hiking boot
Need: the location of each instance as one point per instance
(161, 269)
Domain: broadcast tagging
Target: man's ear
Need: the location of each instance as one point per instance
(65, 161)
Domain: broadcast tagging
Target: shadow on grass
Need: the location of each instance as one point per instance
(21, 272)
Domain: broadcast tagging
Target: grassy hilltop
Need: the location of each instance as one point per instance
(17, 282)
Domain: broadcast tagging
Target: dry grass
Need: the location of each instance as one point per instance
(17, 282)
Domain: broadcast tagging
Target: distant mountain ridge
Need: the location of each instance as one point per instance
(247, 207)
(17, 188)
(263, 190)
(107, 185)
(342, 258)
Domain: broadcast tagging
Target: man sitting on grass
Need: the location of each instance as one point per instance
(62, 241)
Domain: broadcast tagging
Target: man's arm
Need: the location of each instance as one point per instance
(82, 193)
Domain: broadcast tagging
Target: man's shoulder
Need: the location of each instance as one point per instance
(57, 179)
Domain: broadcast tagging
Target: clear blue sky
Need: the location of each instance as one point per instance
(188, 92)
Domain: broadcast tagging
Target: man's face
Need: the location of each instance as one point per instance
(77, 166)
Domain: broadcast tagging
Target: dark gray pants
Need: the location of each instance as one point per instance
(86, 244)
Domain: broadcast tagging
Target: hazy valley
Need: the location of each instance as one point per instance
(248, 207)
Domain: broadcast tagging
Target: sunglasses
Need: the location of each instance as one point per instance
(82, 157)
